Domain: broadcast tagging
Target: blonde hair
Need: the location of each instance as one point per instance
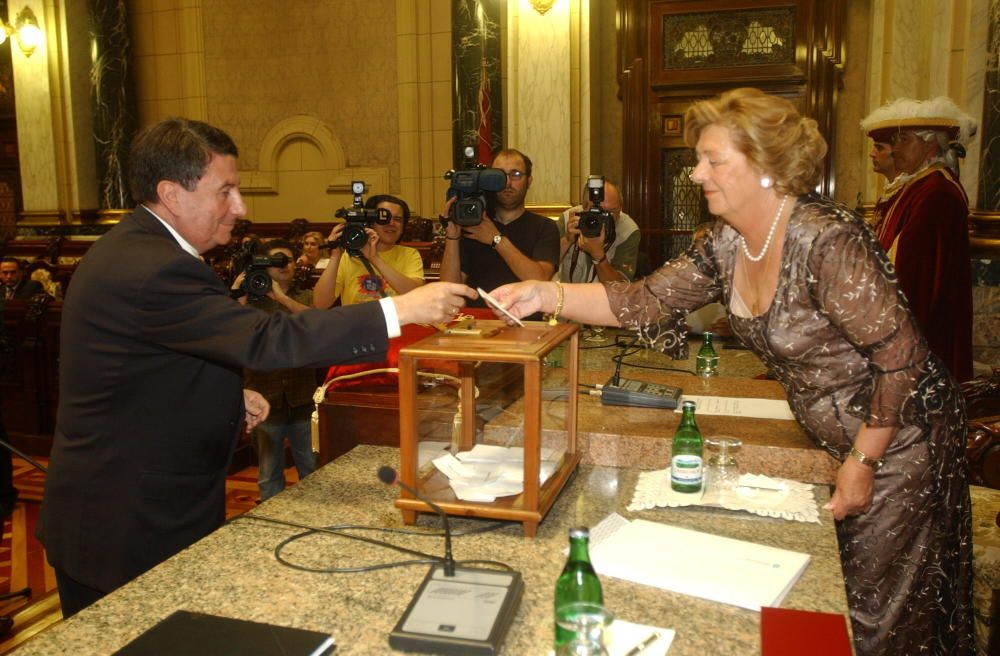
(769, 131)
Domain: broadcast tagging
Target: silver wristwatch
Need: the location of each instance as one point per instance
(496, 240)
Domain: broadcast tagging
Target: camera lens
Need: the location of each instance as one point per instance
(258, 283)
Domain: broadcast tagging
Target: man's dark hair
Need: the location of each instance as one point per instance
(515, 152)
(270, 245)
(175, 149)
(373, 202)
(8, 259)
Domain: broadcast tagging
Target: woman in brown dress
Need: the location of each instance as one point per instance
(811, 292)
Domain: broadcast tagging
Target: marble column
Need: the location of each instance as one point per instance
(989, 172)
(113, 100)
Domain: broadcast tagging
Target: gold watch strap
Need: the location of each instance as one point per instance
(874, 463)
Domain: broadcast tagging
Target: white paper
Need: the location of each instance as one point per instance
(739, 407)
(729, 571)
(626, 635)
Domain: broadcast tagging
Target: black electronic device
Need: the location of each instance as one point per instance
(456, 610)
(473, 187)
(358, 219)
(256, 280)
(594, 219)
(635, 393)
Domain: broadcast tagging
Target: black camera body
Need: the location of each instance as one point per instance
(474, 189)
(256, 280)
(358, 219)
(594, 219)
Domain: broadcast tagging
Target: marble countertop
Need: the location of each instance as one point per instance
(234, 572)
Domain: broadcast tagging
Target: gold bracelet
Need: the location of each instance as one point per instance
(874, 463)
(554, 317)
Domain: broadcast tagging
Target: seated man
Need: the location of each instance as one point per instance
(513, 245)
(288, 391)
(392, 270)
(15, 285)
(585, 258)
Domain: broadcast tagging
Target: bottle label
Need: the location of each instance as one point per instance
(686, 469)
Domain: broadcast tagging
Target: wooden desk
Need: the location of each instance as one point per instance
(233, 571)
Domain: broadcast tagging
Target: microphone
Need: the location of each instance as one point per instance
(389, 476)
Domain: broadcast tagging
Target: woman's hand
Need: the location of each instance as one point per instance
(369, 250)
(854, 490)
(524, 298)
(334, 235)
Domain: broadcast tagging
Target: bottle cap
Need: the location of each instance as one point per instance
(579, 532)
(688, 404)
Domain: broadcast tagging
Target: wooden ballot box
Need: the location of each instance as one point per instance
(493, 342)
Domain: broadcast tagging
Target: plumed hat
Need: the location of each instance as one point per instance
(939, 113)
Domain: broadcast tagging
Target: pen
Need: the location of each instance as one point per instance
(638, 649)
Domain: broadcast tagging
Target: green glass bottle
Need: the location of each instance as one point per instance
(578, 580)
(706, 363)
(686, 453)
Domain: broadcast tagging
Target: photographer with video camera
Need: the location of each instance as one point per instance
(509, 243)
(598, 239)
(268, 283)
(393, 269)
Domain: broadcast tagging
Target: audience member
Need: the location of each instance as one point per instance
(584, 259)
(381, 268)
(312, 251)
(510, 243)
(925, 228)
(15, 285)
(151, 396)
(289, 392)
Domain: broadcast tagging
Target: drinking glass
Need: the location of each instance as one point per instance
(589, 623)
(723, 472)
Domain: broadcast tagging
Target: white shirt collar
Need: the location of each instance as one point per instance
(180, 240)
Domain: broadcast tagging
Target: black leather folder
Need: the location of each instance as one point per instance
(197, 634)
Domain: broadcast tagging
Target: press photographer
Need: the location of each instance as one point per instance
(599, 241)
(508, 245)
(380, 267)
(268, 283)
(254, 279)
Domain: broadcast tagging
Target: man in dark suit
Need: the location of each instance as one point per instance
(15, 285)
(152, 352)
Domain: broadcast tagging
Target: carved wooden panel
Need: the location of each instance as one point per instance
(673, 53)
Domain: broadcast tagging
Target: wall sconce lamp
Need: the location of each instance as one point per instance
(25, 31)
(542, 6)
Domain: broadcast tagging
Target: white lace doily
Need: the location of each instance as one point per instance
(757, 494)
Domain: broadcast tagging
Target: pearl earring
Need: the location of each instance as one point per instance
(766, 182)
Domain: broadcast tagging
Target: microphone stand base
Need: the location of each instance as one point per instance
(468, 613)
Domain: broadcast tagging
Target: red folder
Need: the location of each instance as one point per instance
(789, 632)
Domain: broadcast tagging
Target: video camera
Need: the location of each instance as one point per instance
(471, 187)
(358, 219)
(256, 280)
(592, 220)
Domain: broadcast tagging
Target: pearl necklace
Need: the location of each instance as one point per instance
(770, 234)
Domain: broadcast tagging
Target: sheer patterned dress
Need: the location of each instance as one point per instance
(840, 339)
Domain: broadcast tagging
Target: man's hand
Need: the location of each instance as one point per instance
(854, 490)
(334, 235)
(437, 302)
(452, 230)
(592, 246)
(257, 408)
(483, 233)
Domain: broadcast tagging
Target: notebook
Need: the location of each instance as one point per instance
(198, 634)
(729, 571)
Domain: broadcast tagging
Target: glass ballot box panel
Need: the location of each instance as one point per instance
(488, 420)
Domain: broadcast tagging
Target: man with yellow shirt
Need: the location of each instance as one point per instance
(393, 269)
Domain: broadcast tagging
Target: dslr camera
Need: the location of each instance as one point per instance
(474, 188)
(592, 220)
(358, 219)
(256, 280)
